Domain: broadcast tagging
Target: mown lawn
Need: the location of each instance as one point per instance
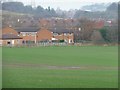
(60, 67)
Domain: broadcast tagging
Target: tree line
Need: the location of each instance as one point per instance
(110, 13)
(39, 11)
(19, 7)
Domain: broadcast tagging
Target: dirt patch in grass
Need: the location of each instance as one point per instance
(21, 65)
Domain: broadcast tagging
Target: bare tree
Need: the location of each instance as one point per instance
(87, 27)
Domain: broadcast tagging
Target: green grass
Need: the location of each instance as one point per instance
(31, 67)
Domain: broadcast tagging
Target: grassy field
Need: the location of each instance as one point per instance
(60, 67)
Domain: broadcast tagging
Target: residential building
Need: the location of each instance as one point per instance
(9, 37)
(63, 34)
(44, 35)
(28, 34)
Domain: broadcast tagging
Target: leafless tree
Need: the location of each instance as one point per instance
(87, 27)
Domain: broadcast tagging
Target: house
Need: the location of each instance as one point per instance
(37, 35)
(44, 35)
(28, 34)
(10, 40)
(58, 22)
(62, 34)
(9, 30)
(33, 35)
(9, 37)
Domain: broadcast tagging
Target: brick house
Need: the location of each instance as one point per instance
(63, 34)
(10, 40)
(43, 35)
(33, 35)
(55, 35)
(10, 37)
(28, 34)
(9, 30)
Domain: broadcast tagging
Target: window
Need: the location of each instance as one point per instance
(33, 34)
(65, 34)
(60, 34)
(55, 34)
(23, 34)
(70, 34)
(8, 43)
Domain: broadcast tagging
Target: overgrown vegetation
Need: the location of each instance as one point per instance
(110, 34)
